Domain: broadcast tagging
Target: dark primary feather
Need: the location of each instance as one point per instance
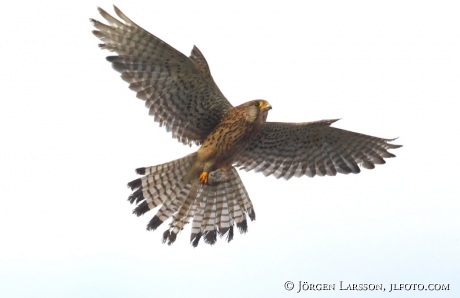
(179, 91)
(312, 148)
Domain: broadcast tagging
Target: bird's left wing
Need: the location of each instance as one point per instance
(312, 148)
(178, 90)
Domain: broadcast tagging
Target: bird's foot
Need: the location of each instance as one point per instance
(203, 178)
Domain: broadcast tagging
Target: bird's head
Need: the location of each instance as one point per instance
(257, 110)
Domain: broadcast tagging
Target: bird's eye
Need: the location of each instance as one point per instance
(257, 104)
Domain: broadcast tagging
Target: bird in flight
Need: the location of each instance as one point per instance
(204, 187)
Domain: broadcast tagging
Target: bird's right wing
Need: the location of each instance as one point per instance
(312, 148)
(178, 90)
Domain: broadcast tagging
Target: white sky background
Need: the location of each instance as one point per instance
(72, 134)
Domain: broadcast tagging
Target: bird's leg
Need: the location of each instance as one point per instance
(204, 174)
(203, 177)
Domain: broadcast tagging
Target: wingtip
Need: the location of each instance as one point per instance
(121, 15)
(394, 146)
(97, 33)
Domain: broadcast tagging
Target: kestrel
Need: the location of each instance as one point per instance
(204, 187)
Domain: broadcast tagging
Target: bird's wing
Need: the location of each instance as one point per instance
(312, 148)
(179, 91)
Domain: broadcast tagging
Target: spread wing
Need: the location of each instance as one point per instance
(312, 148)
(179, 91)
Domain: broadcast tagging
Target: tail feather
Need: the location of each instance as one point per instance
(164, 195)
(219, 203)
(236, 212)
(179, 221)
(154, 223)
(165, 212)
(165, 236)
(136, 196)
(135, 184)
(230, 234)
(142, 208)
(197, 221)
(238, 215)
(187, 210)
(209, 222)
(224, 223)
(213, 208)
(210, 237)
(243, 226)
(243, 199)
(196, 240)
(209, 213)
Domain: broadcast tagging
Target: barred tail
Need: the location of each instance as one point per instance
(213, 208)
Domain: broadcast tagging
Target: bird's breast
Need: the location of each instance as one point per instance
(228, 139)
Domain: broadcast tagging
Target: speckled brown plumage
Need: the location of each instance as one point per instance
(233, 134)
(204, 187)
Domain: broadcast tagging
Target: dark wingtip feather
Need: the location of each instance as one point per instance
(111, 58)
(135, 184)
(117, 66)
(140, 171)
(154, 223)
(98, 34)
(141, 208)
(394, 146)
(385, 154)
(242, 226)
(367, 164)
(210, 237)
(117, 10)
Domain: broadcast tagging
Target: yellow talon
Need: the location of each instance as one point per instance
(203, 178)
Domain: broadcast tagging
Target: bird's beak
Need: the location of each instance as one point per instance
(267, 107)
